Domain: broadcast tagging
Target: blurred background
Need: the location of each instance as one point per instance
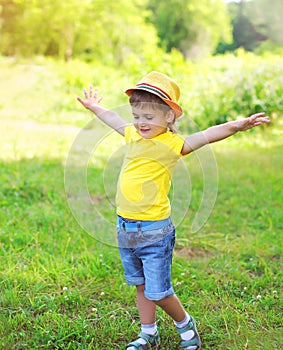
(226, 55)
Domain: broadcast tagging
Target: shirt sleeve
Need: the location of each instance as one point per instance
(129, 133)
(178, 144)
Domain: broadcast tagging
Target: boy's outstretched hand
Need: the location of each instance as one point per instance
(91, 98)
(109, 117)
(222, 131)
(252, 121)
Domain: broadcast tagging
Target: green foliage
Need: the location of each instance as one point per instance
(257, 26)
(266, 19)
(245, 33)
(226, 87)
(193, 27)
(213, 91)
(111, 31)
(39, 27)
(96, 30)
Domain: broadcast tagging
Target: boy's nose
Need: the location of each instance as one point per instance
(142, 122)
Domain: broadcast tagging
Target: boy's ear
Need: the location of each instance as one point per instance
(170, 116)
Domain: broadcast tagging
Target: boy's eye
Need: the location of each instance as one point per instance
(149, 118)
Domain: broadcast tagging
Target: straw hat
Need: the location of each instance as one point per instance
(164, 87)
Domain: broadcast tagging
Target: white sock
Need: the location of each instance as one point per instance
(148, 329)
(186, 335)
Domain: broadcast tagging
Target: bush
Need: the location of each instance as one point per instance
(225, 87)
(214, 90)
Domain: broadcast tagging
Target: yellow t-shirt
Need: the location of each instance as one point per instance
(145, 177)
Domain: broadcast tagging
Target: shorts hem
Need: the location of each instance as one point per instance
(135, 281)
(159, 296)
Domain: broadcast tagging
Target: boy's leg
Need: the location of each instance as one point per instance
(147, 308)
(183, 321)
(173, 307)
(147, 313)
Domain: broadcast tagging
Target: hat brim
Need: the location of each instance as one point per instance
(176, 108)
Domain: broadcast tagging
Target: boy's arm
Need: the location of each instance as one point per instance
(222, 131)
(108, 117)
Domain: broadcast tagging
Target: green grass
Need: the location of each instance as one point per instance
(61, 288)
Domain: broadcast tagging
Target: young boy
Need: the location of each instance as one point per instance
(146, 235)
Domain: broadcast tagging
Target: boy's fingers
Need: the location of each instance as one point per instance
(261, 114)
(258, 115)
(261, 120)
(80, 100)
(264, 120)
(85, 93)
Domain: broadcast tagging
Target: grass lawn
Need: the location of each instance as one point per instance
(62, 287)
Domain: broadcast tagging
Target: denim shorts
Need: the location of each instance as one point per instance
(149, 264)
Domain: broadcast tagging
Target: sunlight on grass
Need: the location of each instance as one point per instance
(28, 139)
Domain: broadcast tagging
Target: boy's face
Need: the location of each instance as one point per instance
(151, 122)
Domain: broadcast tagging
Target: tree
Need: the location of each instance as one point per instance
(192, 26)
(10, 15)
(255, 22)
(98, 29)
(116, 28)
(266, 16)
(245, 33)
(39, 26)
